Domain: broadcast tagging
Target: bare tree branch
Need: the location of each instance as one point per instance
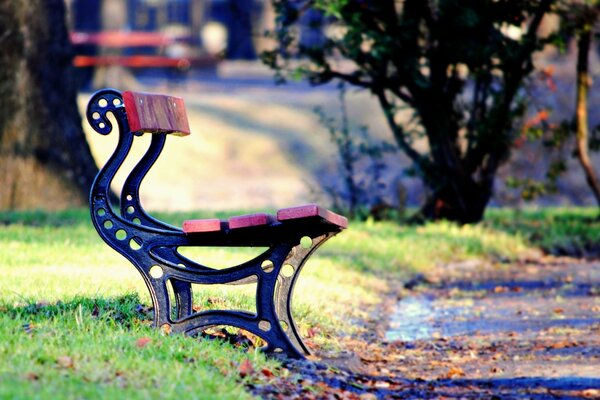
(399, 133)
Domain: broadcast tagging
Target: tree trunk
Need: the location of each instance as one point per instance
(86, 18)
(454, 194)
(239, 31)
(45, 161)
(581, 117)
(459, 199)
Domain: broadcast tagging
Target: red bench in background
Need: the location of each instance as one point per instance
(120, 40)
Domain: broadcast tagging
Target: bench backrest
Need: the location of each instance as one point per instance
(156, 113)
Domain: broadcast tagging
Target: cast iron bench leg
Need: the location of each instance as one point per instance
(273, 322)
(284, 291)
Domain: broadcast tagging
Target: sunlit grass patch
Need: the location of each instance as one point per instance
(556, 230)
(387, 247)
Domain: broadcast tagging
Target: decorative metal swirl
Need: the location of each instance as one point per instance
(101, 103)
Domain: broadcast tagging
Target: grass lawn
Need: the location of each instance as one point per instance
(74, 319)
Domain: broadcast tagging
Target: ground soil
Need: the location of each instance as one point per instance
(524, 330)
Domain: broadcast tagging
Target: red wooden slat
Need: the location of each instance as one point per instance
(156, 113)
(202, 225)
(247, 221)
(311, 211)
(144, 61)
(123, 39)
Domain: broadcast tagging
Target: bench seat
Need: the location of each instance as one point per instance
(284, 215)
(312, 211)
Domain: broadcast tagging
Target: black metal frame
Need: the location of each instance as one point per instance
(152, 247)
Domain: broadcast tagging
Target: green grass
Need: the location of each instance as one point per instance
(72, 309)
(556, 230)
(63, 350)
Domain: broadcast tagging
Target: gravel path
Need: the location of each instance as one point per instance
(524, 330)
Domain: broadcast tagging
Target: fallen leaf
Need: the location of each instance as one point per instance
(495, 370)
(241, 339)
(165, 329)
(29, 328)
(382, 385)
(32, 376)
(564, 344)
(65, 362)
(216, 301)
(267, 372)
(367, 396)
(323, 387)
(143, 342)
(591, 393)
(245, 368)
(455, 372)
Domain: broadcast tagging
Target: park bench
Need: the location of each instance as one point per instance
(130, 40)
(154, 247)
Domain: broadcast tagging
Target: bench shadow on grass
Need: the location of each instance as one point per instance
(126, 310)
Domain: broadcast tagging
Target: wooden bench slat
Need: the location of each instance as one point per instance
(156, 113)
(250, 220)
(145, 61)
(202, 225)
(311, 211)
(124, 39)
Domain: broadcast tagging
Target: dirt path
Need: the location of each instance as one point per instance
(522, 330)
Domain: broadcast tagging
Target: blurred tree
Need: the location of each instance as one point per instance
(45, 161)
(457, 64)
(578, 25)
(239, 39)
(86, 18)
(579, 20)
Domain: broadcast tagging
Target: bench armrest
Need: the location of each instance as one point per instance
(156, 113)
